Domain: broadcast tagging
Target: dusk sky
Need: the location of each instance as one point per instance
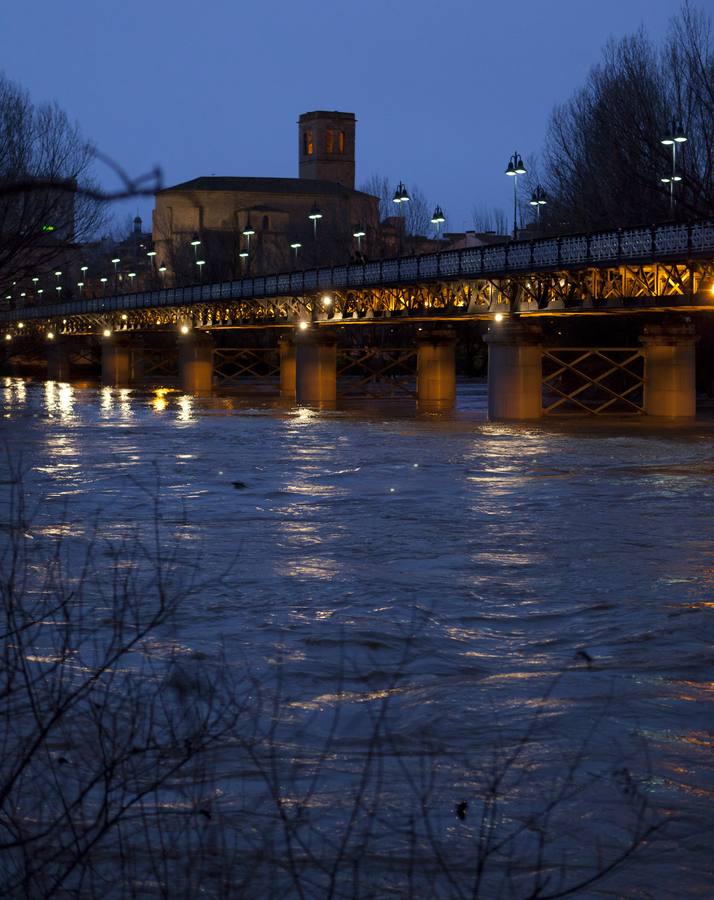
(443, 92)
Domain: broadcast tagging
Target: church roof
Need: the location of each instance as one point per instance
(262, 185)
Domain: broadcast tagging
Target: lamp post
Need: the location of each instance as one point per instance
(514, 169)
(248, 232)
(152, 256)
(359, 233)
(195, 243)
(675, 137)
(162, 272)
(200, 263)
(438, 218)
(401, 196)
(244, 256)
(314, 215)
(116, 261)
(295, 247)
(538, 199)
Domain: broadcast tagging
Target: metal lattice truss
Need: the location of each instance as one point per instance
(157, 362)
(231, 365)
(594, 381)
(376, 372)
(654, 286)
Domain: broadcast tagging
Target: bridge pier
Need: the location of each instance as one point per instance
(116, 361)
(58, 360)
(287, 368)
(436, 371)
(670, 382)
(514, 371)
(196, 362)
(316, 369)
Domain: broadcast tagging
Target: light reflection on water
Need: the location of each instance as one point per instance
(501, 552)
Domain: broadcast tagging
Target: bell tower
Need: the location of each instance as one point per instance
(326, 147)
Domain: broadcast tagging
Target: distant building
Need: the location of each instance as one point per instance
(247, 224)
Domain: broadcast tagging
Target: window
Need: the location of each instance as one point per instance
(341, 142)
(330, 141)
(307, 143)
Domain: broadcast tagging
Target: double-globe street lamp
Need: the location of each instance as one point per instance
(538, 199)
(438, 218)
(401, 196)
(514, 169)
(676, 136)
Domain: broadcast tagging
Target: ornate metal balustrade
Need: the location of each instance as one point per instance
(596, 381)
(573, 271)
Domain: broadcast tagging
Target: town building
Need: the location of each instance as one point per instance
(228, 226)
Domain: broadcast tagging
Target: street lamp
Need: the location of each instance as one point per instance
(314, 215)
(132, 276)
(401, 196)
(295, 247)
(200, 263)
(676, 136)
(359, 233)
(248, 232)
(438, 218)
(538, 199)
(514, 169)
(195, 243)
(162, 271)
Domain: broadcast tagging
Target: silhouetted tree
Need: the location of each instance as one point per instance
(604, 159)
(48, 199)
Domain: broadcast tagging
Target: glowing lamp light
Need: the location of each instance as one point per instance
(8, 337)
(303, 326)
(184, 329)
(327, 300)
(80, 284)
(296, 245)
(58, 272)
(124, 317)
(104, 280)
(115, 260)
(107, 332)
(50, 335)
(711, 289)
(498, 317)
(20, 324)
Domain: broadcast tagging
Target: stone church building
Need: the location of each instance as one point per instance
(246, 225)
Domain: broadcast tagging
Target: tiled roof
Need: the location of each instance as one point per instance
(262, 185)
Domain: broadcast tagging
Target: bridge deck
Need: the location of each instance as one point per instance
(673, 244)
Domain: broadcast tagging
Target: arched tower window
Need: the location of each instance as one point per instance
(330, 141)
(307, 143)
(341, 142)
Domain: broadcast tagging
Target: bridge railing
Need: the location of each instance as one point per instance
(650, 244)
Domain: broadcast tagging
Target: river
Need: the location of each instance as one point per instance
(551, 583)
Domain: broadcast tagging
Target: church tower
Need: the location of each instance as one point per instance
(326, 147)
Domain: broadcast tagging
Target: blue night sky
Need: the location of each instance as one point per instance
(443, 91)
